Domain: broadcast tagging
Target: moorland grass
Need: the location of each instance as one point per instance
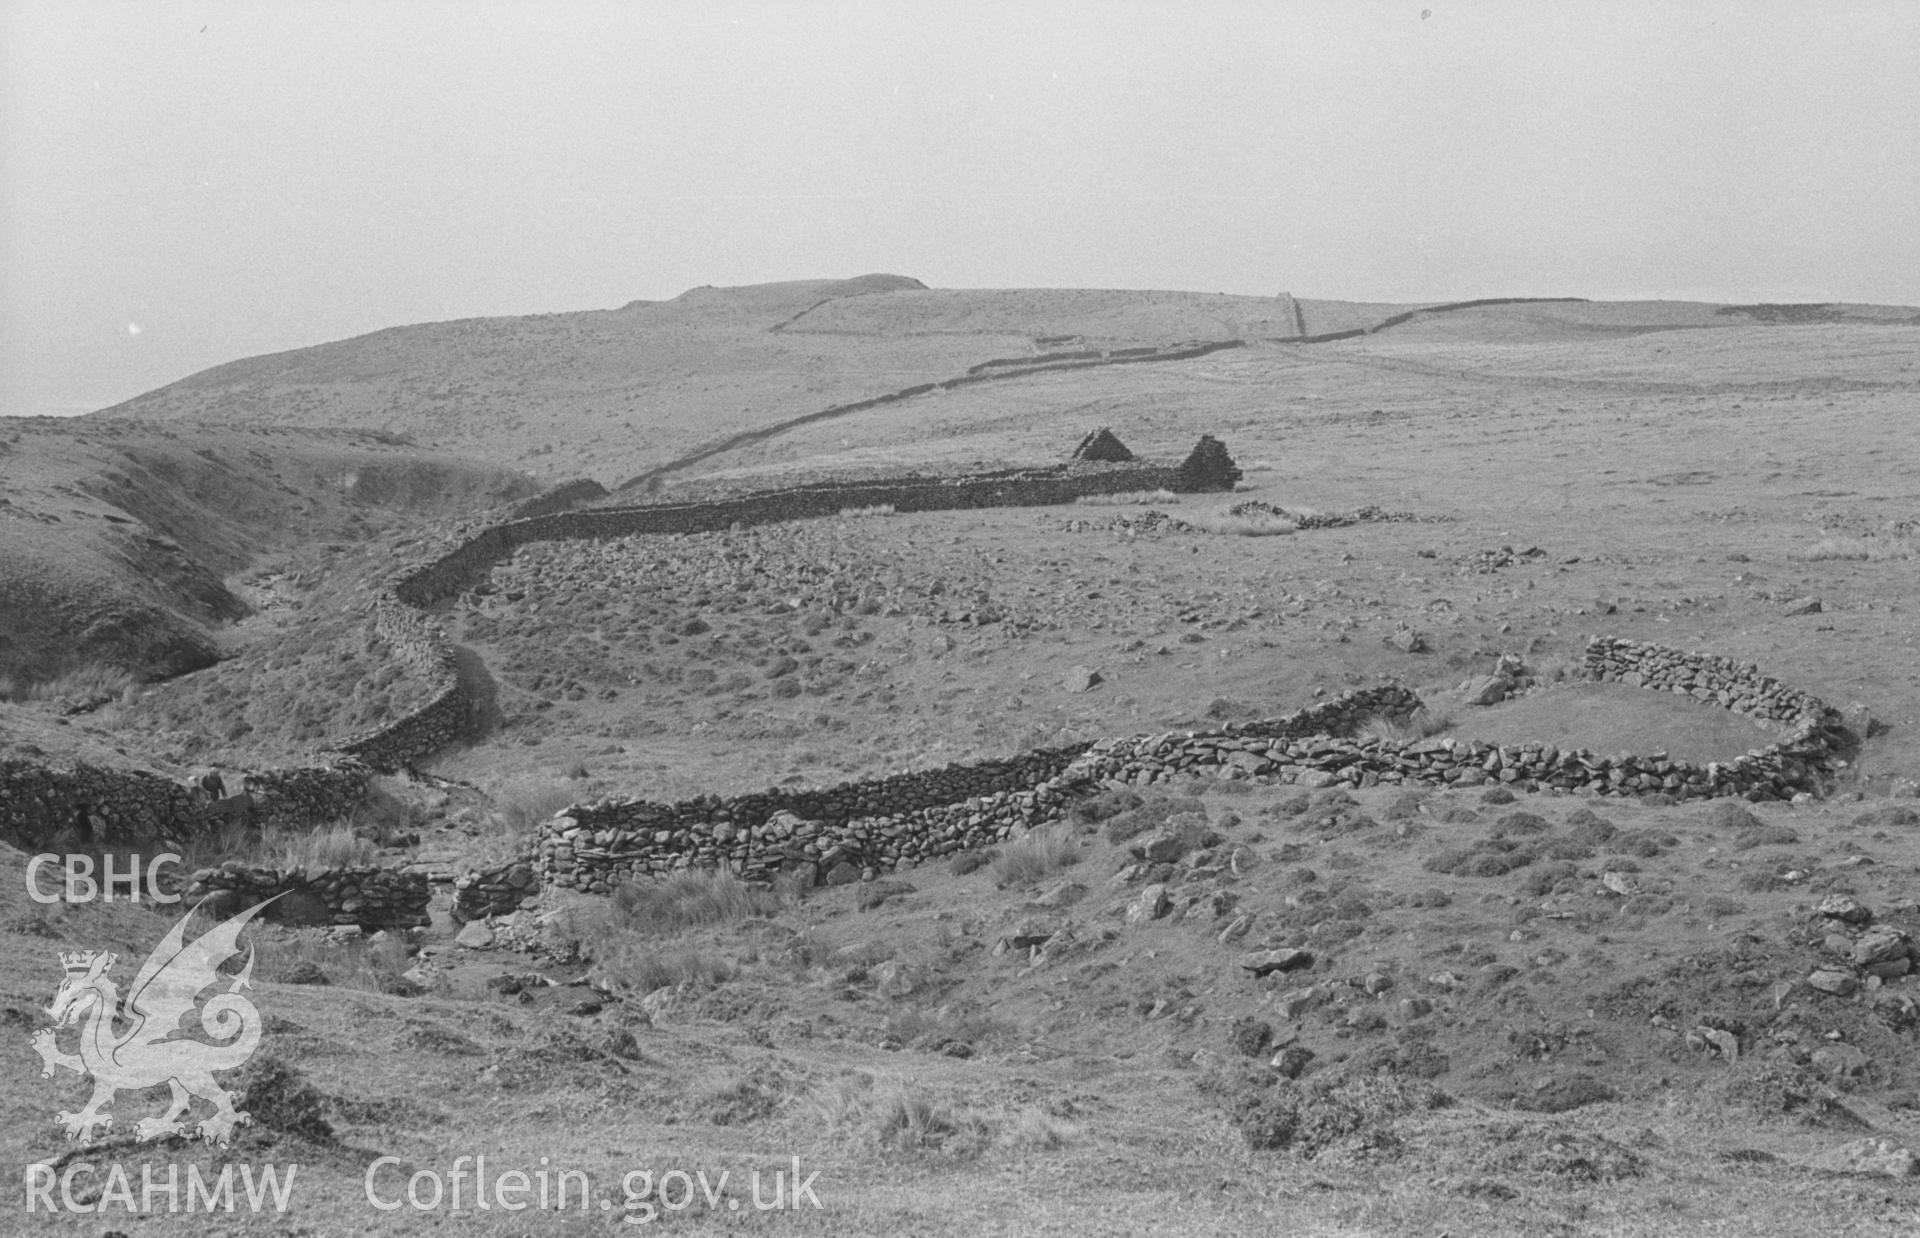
(1034, 855)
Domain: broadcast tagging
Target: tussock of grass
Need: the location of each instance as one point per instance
(624, 939)
(331, 846)
(743, 1097)
(86, 683)
(946, 1028)
(525, 801)
(1309, 1118)
(1040, 1131)
(1128, 498)
(1422, 723)
(352, 841)
(1858, 549)
(1248, 524)
(642, 968)
(687, 900)
(907, 1119)
(1034, 855)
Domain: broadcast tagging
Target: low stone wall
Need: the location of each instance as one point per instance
(462, 566)
(563, 497)
(370, 897)
(879, 824)
(422, 646)
(81, 803)
(1799, 762)
(497, 892)
(308, 795)
(86, 805)
(857, 830)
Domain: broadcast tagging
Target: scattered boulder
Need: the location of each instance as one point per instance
(475, 935)
(1084, 679)
(1486, 690)
(877, 894)
(1296, 1002)
(306, 971)
(1830, 980)
(1844, 908)
(1061, 894)
(1881, 945)
(1407, 640)
(1150, 904)
(1291, 1061)
(894, 979)
(1729, 815)
(1264, 962)
(1873, 1157)
(1560, 1094)
(1841, 1061)
(1802, 606)
(1251, 1037)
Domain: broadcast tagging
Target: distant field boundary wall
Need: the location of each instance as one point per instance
(1394, 320)
(858, 830)
(986, 371)
(563, 497)
(423, 646)
(468, 563)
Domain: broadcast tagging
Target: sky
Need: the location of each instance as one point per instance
(186, 183)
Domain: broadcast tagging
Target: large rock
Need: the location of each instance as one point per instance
(1264, 962)
(1487, 690)
(894, 979)
(1845, 908)
(1829, 980)
(1162, 848)
(1877, 1157)
(475, 936)
(1881, 945)
(1150, 904)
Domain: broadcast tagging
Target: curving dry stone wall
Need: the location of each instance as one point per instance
(858, 830)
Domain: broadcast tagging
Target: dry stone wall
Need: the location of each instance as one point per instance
(370, 897)
(852, 829)
(563, 497)
(306, 795)
(858, 830)
(423, 647)
(41, 805)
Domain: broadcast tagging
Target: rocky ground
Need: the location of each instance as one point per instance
(1228, 1007)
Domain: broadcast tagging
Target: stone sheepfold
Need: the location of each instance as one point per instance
(857, 831)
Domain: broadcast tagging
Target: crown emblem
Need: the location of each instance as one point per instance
(81, 962)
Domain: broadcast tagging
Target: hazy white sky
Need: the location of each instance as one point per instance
(183, 183)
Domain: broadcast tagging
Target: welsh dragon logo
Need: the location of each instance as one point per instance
(152, 1049)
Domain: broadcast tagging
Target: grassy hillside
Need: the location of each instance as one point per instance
(120, 542)
(1513, 1015)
